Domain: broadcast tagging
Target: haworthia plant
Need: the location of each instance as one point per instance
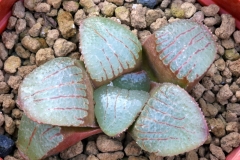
(108, 49)
(116, 108)
(58, 92)
(133, 81)
(181, 52)
(37, 141)
(171, 122)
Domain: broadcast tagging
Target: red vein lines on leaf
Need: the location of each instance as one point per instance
(116, 55)
(32, 135)
(55, 135)
(148, 132)
(158, 139)
(110, 47)
(58, 71)
(139, 47)
(176, 38)
(98, 34)
(164, 113)
(80, 119)
(186, 46)
(105, 72)
(122, 44)
(105, 110)
(167, 124)
(68, 108)
(164, 103)
(76, 74)
(56, 86)
(125, 105)
(161, 35)
(190, 57)
(115, 106)
(47, 130)
(62, 96)
(109, 61)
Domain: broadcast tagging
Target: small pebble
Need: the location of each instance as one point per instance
(189, 9)
(234, 67)
(6, 145)
(106, 144)
(192, 155)
(62, 47)
(217, 152)
(18, 10)
(91, 148)
(9, 39)
(123, 14)
(217, 127)
(210, 10)
(11, 64)
(227, 27)
(70, 6)
(229, 141)
(32, 44)
(148, 3)
(137, 16)
(236, 36)
(132, 149)
(42, 7)
(72, 151)
(66, 24)
(224, 94)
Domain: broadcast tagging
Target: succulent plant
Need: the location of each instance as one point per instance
(181, 52)
(59, 94)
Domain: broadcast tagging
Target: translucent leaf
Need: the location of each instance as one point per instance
(58, 92)
(37, 141)
(133, 81)
(116, 109)
(171, 123)
(108, 49)
(181, 52)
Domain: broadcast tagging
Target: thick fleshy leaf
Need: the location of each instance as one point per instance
(38, 141)
(181, 52)
(58, 92)
(116, 108)
(133, 81)
(109, 50)
(171, 122)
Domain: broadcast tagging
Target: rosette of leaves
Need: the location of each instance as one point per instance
(180, 52)
(108, 49)
(59, 94)
(171, 122)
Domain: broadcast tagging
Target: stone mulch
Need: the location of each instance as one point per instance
(40, 30)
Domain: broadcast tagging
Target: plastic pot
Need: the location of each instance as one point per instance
(226, 6)
(5, 12)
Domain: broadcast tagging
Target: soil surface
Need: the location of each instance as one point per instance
(40, 30)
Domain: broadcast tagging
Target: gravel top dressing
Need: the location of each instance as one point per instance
(41, 30)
